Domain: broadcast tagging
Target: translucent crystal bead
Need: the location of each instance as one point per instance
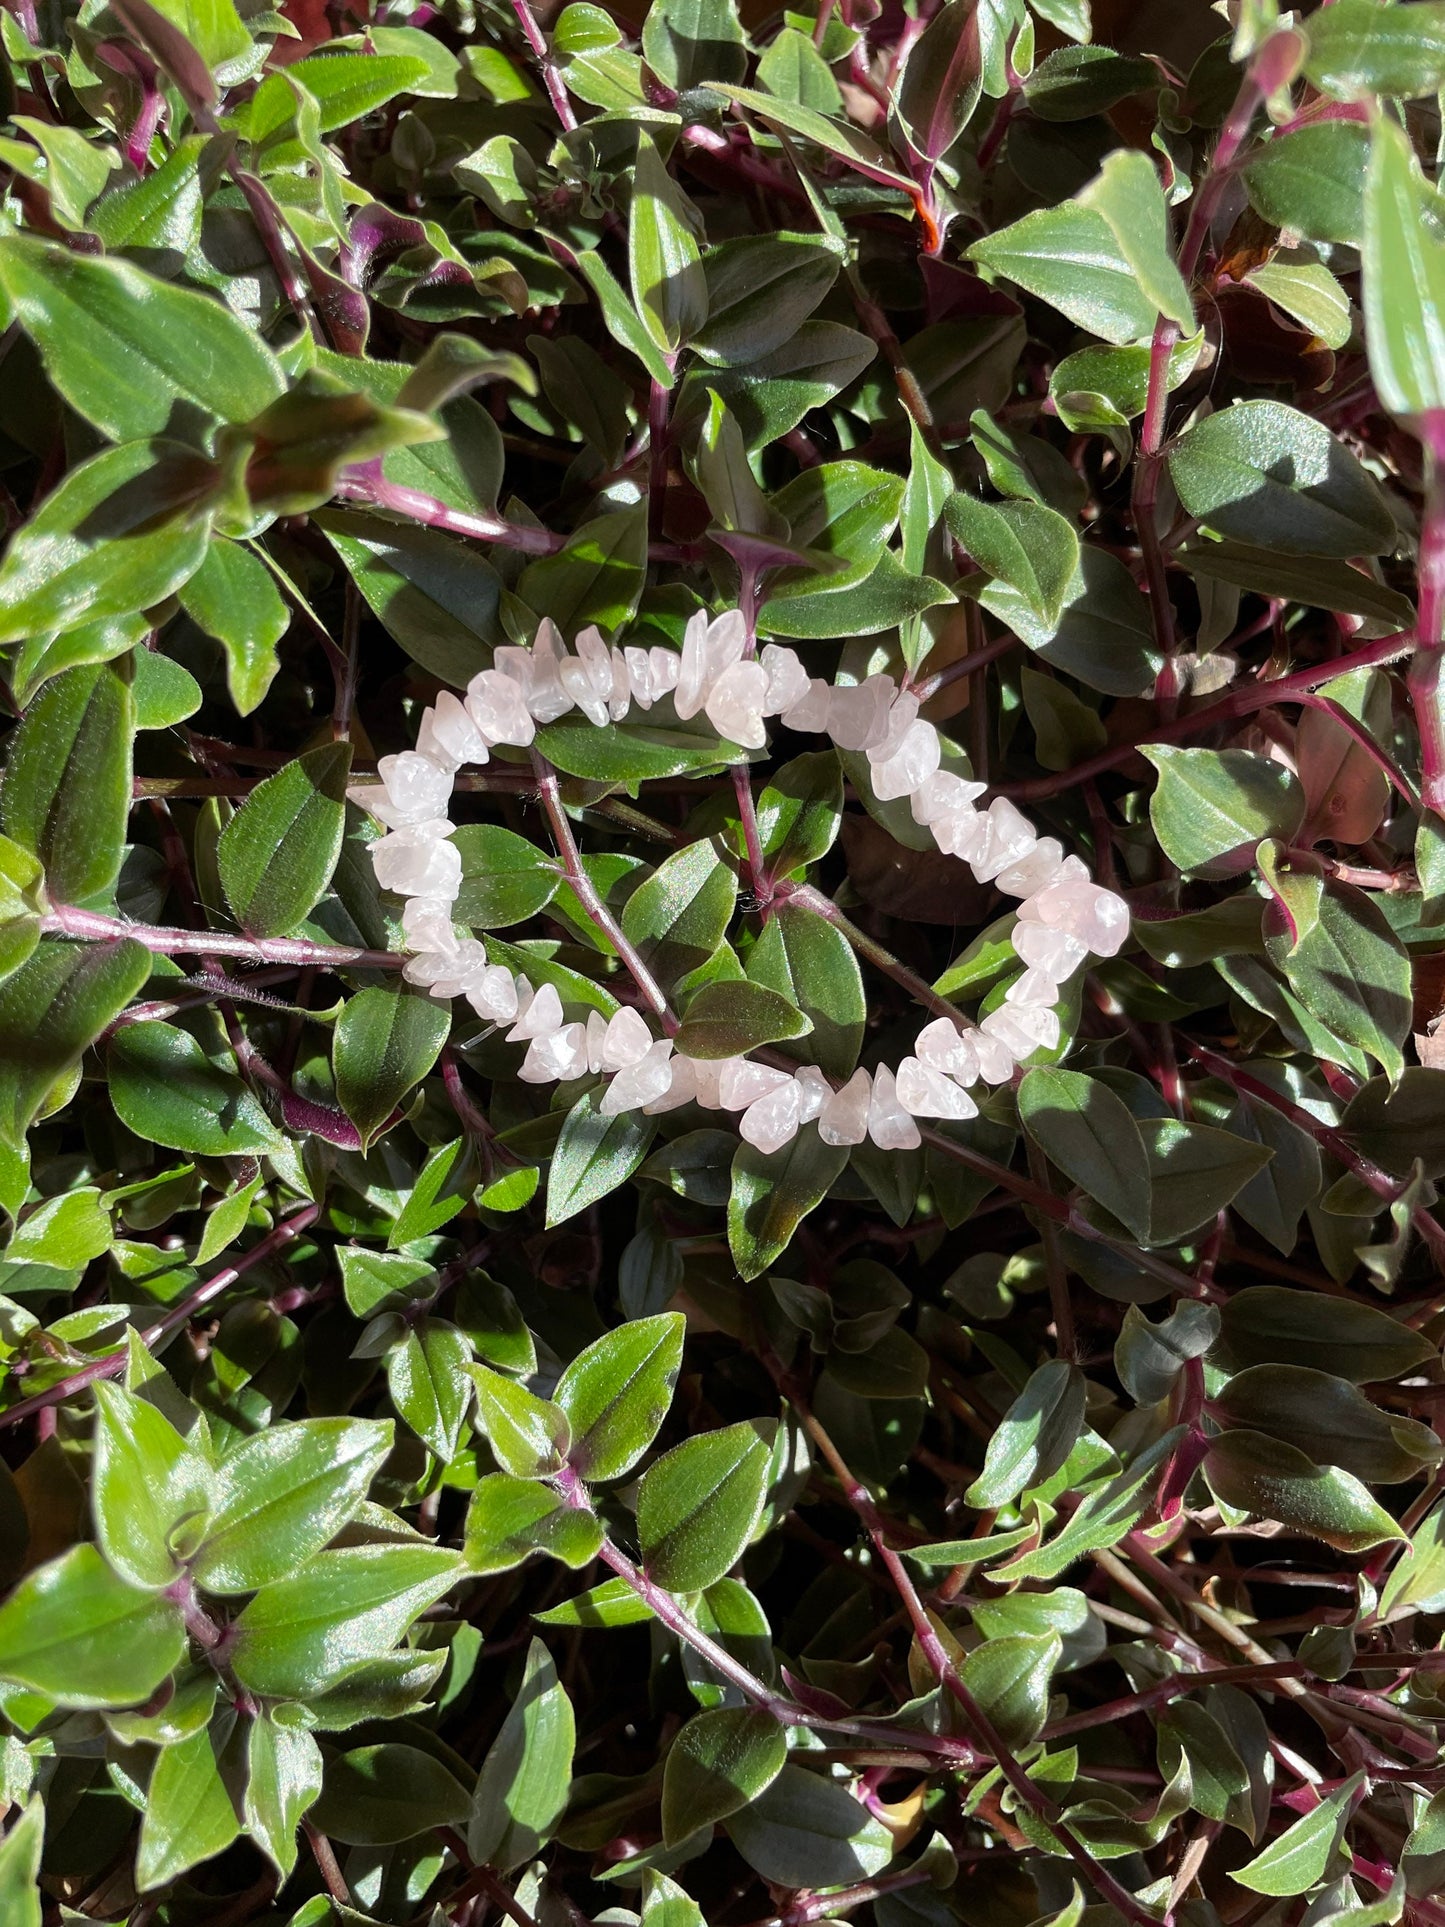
(1023, 1028)
(681, 1089)
(787, 678)
(814, 1090)
(587, 677)
(449, 736)
(553, 1059)
(772, 1121)
(620, 701)
(1034, 871)
(536, 673)
(639, 676)
(1011, 837)
(419, 861)
(943, 794)
(708, 648)
(889, 1125)
(1058, 952)
(925, 1092)
(902, 715)
(642, 1084)
(809, 714)
(962, 832)
(707, 1080)
(913, 761)
(665, 665)
(1034, 987)
(858, 713)
(496, 706)
(541, 1017)
(995, 1059)
(413, 789)
(596, 1038)
(1085, 910)
(430, 970)
(944, 1047)
(494, 998)
(734, 704)
(742, 1082)
(628, 1040)
(427, 922)
(844, 1117)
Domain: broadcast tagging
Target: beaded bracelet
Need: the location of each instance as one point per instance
(1063, 916)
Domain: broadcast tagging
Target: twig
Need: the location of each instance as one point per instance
(64, 920)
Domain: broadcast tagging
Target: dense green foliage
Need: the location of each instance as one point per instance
(427, 1499)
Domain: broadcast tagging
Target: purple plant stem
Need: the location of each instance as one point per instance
(1427, 684)
(113, 1363)
(536, 40)
(63, 920)
(1239, 702)
(586, 893)
(972, 664)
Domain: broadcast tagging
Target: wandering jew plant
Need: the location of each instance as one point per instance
(722, 945)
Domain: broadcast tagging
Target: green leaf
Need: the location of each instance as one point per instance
(161, 210)
(1304, 1853)
(1194, 1172)
(529, 1436)
(344, 86)
(1149, 1358)
(1307, 291)
(77, 1632)
(509, 1519)
(167, 1091)
(233, 597)
(697, 1505)
(523, 1785)
(283, 1782)
(942, 82)
(301, 1635)
(1034, 1438)
(1357, 48)
(278, 851)
(505, 879)
(1330, 1421)
(426, 1376)
(597, 576)
(1009, 1677)
(387, 1039)
(1030, 551)
(617, 1392)
(621, 318)
(152, 1489)
(809, 962)
(807, 1831)
(1128, 195)
(1070, 257)
(690, 43)
(20, 1898)
(1212, 807)
(281, 1495)
(1080, 1125)
(189, 1815)
(67, 789)
(1101, 1519)
(1272, 1324)
(127, 350)
(720, 1761)
(1404, 278)
(1075, 83)
(594, 1155)
(1315, 580)
(51, 1010)
(380, 1796)
(1277, 1481)
(771, 1194)
(120, 533)
(436, 597)
(731, 1019)
(1312, 180)
(1269, 475)
(669, 288)
(760, 289)
(443, 1187)
(1344, 963)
